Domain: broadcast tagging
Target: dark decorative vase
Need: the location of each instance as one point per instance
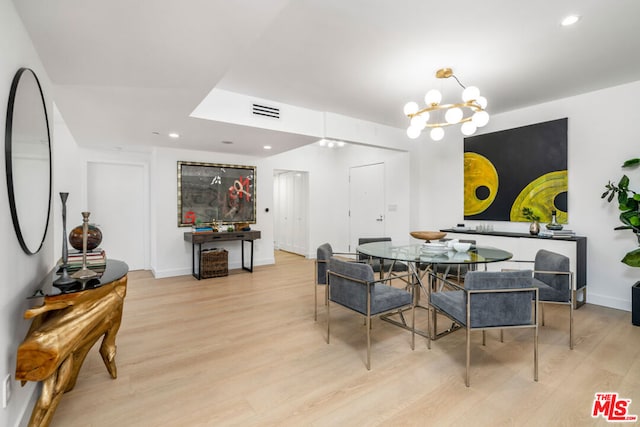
(94, 237)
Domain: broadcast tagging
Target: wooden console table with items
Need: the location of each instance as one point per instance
(524, 247)
(65, 326)
(223, 236)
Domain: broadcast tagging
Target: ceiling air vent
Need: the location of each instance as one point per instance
(263, 110)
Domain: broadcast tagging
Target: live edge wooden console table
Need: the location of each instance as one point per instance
(64, 328)
(200, 238)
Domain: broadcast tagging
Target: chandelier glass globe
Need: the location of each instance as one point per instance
(437, 134)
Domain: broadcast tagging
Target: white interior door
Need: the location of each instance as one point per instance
(290, 194)
(366, 202)
(117, 200)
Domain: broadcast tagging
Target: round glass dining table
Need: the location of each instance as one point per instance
(417, 253)
(421, 259)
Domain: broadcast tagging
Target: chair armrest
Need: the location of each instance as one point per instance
(388, 279)
(449, 284)
(559, 273)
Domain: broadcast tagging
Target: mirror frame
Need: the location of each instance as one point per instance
(8, 138)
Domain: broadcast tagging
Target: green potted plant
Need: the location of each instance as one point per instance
(629, 205)
(528, 213)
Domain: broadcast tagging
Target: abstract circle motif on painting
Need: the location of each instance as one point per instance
(480, 183)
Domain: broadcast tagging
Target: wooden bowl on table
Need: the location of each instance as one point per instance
(428, 236)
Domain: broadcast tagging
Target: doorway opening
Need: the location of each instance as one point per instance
(291, 211)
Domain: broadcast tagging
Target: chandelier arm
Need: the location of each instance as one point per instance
(469, 104)
(472, 105)
(461, 85)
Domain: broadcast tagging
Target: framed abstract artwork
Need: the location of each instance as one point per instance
(509, 170)
(209, 192)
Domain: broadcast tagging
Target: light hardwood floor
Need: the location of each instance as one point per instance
(244, 350)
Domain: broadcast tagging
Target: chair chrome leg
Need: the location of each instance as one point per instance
(466, 380)
(328, 321)
(571, 324)
(535, 353)
(537, 305)
(368, 343)
(413, 325)
(501, 335)
(484, 337)
(368, 325)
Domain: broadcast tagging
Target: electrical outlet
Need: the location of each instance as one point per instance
(6, 390)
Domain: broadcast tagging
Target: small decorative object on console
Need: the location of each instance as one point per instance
(553, 225)
(64, 278)
(94, 237)
(84, 272)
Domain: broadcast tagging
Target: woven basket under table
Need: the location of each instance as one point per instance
(214, 263)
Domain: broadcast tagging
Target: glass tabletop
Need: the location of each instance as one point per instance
(417, 253)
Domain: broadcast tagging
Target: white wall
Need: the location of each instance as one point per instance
(329, 189)
(328, 204)
(21, 272)
(171, 254)
(601, 138)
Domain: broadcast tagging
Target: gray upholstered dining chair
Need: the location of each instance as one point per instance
(553, 277)
(323, 253)
(491, 300)
(379, 265)
(352, 285)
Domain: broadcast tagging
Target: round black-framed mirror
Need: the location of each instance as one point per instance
(28, 160)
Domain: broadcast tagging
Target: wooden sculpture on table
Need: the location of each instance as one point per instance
(63, 331)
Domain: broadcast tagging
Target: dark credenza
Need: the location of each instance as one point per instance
(198, 239)
(524, 247)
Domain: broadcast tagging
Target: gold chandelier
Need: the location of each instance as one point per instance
(470, 113)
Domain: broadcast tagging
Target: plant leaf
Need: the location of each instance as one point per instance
(611, 196)
(624, 182)
(632, 258)
(622, 200)
(631, 162)
(624, 227)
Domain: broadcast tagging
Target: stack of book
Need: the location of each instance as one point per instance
(199, 229)
(557, 233)
(96, 259)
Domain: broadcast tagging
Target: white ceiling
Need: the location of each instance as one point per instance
(124, 69)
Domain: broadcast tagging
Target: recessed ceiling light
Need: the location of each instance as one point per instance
(340, 143)
(570, 20)
(174, 135)
(322, 142)
(267, 147)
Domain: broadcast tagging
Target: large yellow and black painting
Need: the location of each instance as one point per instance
(523, 167)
